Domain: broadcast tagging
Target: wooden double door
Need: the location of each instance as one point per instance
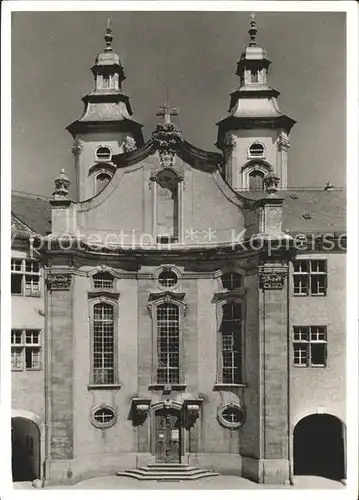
(168, 436)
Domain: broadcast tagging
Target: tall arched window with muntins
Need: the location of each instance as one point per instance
(256, 180)
(102, 180)
(168, 343)
(231, 281)
(103, 153)
(256, 150)
(230, 333)
(103, 349)
(167, 206)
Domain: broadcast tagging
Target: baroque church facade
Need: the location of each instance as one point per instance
(171, 320)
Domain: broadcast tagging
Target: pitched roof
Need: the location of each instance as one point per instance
(310, 211)
(33, 211)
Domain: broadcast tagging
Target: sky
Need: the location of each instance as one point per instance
(195, 55)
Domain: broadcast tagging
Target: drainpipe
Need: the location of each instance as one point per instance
(291, 479)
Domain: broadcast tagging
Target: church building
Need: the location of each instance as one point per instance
(184, 315)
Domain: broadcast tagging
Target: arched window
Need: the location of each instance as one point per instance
(254, 76)
(167, 206)
(256, 150)
(103, 362)
(231, 281)
(102, 180)
(256, 180)
(103, 280)
(106, 81)
(230, 343)
(103, 153)
(168, 344)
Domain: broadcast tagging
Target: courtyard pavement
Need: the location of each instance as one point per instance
(210, 483)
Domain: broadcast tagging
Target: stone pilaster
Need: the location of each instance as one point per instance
(274, 416)
(60, 378)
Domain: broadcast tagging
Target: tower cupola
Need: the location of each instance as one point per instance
(254, 137)
(106, 127)
(108, 71)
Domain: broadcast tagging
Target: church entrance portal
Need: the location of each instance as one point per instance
(168, 436)
(319, 447)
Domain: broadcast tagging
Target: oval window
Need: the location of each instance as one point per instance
(231, 415)
(167, 279)
(103, 417)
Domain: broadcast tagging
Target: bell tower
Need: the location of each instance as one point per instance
(106, 127)
(255, 136)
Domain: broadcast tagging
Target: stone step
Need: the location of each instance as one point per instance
(167, 465)
(167, 470)
(174, 476)
(150, 473)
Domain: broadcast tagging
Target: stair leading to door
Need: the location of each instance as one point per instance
(167, 472)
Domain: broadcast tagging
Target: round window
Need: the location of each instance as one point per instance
(167, 279)
(231, 415)
(104, 416)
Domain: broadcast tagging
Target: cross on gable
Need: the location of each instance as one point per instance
(167, 110)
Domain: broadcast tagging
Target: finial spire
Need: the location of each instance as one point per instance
(167, 110)
(252, 30)
(62, 183)
(108, 36)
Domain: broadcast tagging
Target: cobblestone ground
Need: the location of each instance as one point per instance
(211, 483)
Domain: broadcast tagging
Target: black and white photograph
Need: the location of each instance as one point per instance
(177, 251)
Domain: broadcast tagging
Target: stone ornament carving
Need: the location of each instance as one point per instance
(231, 415)
(272, 279)
(129, 144)
(193, 410)
(167, 139)
(271, 182)
(62, 183)
(77, 147)
(59, 281)
(142, 409)
(229, 143)
(283, 142)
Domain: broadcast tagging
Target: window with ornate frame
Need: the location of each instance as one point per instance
(103, 416)
(104, 322)
(167, 315)
(230, 342)
(103, 153)
(256, 150)
(232, 281)
(256, 180)
(168, 343)
(231, 415)
(103, 279)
